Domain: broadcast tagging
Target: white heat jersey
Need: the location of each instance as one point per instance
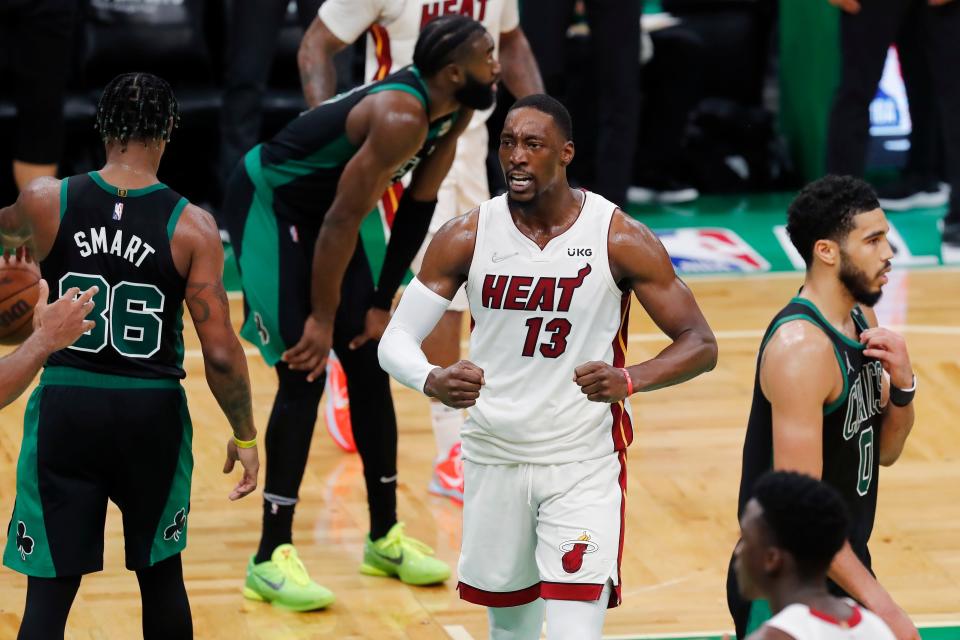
(537, 315)
(393, 27)
(804, 623)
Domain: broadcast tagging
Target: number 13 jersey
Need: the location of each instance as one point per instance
(536, 316)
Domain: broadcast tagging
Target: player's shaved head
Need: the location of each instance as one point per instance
(550, 106)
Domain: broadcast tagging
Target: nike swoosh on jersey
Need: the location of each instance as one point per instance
(497, 258)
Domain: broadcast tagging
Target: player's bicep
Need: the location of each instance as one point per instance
(392, 139)
(205, 296)
(795, 377)
(638, 257)
(446, 262)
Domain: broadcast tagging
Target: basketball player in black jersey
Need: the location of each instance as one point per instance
(109, 419)
(294, 208)
(833, 392)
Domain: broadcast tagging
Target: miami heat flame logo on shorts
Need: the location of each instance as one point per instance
(573, 552)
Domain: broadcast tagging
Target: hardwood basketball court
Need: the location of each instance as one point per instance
(684, 469)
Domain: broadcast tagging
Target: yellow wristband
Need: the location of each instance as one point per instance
(244, 444)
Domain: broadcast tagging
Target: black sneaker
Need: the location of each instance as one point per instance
(913, 192)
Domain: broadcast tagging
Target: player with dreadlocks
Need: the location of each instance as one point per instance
(294, 207)
(109, 418)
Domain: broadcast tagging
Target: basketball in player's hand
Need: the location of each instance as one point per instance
(19, 287)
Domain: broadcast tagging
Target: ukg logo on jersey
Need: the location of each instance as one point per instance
(710, 250)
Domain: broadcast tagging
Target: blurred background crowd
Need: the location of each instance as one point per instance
(671, 99)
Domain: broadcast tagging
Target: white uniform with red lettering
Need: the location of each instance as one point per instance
(544, 467)
(803, 623)
(393, 27)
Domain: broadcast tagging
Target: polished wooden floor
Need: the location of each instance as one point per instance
(684, 471)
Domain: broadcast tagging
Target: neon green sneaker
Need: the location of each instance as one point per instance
(400, 556)
(283, 582)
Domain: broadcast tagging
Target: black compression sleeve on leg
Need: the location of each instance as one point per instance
(48, 604)
(409, 229)
(375, 432)
(166, 610)
(287, 444)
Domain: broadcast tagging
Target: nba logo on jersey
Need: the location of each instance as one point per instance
(117, 211)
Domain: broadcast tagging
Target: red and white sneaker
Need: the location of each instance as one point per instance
(448, 476)
(337, 412)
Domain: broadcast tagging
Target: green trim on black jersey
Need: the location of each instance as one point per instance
(178, 347)
(71, 377)
(175, 217)
(125, 193)
(333, 155)
(63, 198)
(860, 319)
(830, 408)
(170, 537)
(847, 339)
(396, 86)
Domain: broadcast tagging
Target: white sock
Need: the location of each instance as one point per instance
(516, 623)
(447, 423)
(577, 619)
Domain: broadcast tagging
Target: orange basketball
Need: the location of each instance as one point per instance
(19, 289)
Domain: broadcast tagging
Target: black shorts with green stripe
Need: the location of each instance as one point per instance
(89, 438)
(275, 257)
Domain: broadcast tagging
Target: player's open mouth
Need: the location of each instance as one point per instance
(519, 181)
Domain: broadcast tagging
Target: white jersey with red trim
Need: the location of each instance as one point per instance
(537, 315)
(804, 623)
(393, 27)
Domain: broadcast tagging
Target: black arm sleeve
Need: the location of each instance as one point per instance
(409, 229)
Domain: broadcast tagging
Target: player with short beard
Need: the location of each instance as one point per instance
(833, 393)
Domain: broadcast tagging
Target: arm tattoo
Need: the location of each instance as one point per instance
(200, 307)
(237, 404)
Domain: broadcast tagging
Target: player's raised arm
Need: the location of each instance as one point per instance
(392, 126)
(639, 261)
(899, 386)
(445, 268)
(224, 362)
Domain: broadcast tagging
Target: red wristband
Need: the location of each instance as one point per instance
(626, 374)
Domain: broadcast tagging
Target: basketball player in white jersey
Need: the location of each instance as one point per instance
(791, 529)
(549, 271)
(392, 27)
